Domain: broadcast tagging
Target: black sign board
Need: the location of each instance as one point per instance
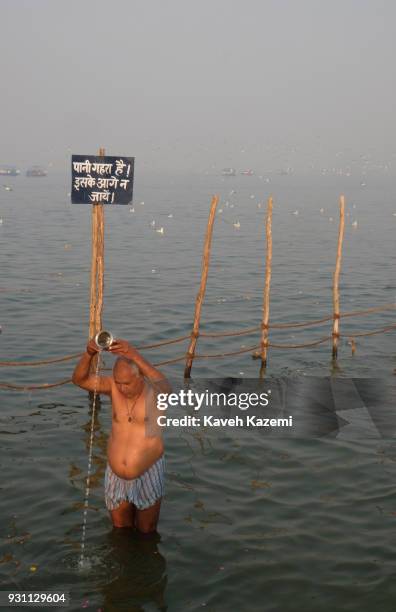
(102, 180)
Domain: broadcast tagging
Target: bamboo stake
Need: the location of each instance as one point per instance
(266, 294)
(100, 268)
(94, 218)
(97, 267)
(336, 293)
(202, 289)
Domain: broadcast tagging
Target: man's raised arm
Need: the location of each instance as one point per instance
(83, 377)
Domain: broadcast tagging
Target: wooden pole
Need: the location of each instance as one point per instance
(97, 269)
(94, 247)
(267, 285)
(202, 288)
(100, 267)
(336, 293)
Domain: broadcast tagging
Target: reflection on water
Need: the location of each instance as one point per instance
(123, 573)
(142, 574)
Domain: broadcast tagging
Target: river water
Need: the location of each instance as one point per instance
(247, 523)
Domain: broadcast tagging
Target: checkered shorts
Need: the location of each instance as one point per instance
(143, 491)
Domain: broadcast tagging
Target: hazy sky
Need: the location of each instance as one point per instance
(190, 85)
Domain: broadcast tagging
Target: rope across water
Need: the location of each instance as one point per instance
(349, 335)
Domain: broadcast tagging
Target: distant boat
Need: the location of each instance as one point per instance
(247, 172)
(286, 171)
(228, 172)
(36, 171)
(9, 171)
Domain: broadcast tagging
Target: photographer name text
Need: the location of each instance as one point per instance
(212, 421)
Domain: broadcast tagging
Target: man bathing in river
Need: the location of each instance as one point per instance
(134, 481)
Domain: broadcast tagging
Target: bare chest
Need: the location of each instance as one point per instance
(128, 410)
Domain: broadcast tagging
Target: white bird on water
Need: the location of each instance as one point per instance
(132, 210)
(152, 223)
(295, 212)
(7, 187)
(141, 203)
(354, 224)
(170, 216)
(321, 211)
(160, 230)
(237, 225)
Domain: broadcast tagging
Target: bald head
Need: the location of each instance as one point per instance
(126, 366)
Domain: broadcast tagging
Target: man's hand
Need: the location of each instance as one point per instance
(121, 347)
(92, 348)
